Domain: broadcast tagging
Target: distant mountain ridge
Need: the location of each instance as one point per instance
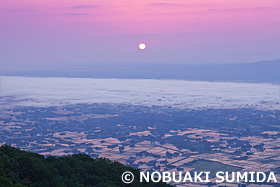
(263, 71)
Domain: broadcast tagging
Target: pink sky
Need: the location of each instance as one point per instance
(178, 31)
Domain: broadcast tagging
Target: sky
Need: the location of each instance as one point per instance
(85, 32)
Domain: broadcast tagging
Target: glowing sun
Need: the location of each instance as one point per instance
(142, 46)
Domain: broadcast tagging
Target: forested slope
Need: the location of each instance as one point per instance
(20, 168)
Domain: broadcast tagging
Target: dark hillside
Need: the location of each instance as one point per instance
(20, 168)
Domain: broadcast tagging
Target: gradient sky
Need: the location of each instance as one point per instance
(66, 32)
